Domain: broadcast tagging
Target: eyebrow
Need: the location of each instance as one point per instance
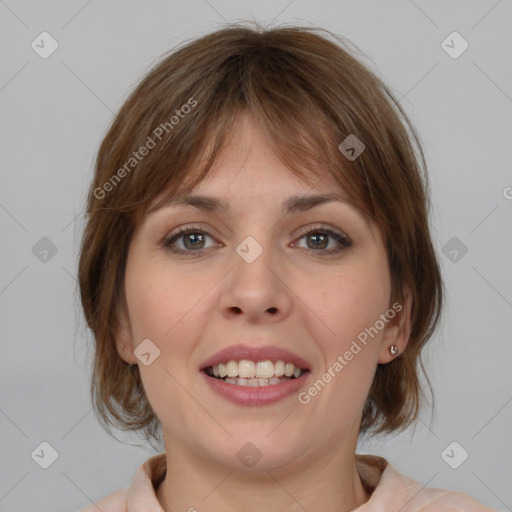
(299, 203)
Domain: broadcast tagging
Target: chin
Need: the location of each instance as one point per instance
(254, 449)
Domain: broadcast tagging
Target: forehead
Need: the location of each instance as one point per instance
(248, 174)
(248, 165)
(278, 190)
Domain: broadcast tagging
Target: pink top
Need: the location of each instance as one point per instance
(390, 491)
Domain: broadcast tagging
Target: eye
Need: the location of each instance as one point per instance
(191, 241)
(319, 239)
(187, 240)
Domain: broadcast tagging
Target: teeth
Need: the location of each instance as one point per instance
(279, 368)
(250, 373)
(232, 368)
(254, 382)
(265, 369)
(246, 369)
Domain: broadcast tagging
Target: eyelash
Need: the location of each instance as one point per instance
(344, 241)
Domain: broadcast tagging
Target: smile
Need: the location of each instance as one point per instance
(254, 374)
(248, 375)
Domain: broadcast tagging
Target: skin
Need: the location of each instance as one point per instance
(291, 296)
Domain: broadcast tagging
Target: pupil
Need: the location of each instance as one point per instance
(198, 237)
(317, 237)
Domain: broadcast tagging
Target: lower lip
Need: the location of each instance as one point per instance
(264, 395)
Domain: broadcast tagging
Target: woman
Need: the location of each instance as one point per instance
(258, 273)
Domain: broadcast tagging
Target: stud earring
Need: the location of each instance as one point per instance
(393, 350)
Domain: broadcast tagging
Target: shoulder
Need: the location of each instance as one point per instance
(392, 489)
(436, 500)
(115, 502)
(417, 498)
(140, 494)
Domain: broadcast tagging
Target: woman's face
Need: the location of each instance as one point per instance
(262, 278)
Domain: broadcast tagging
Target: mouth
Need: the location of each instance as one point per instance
(251, 373)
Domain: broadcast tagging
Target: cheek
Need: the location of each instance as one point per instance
(350, 302)
(152, 296)
(164, 302)
(149, 305)
(165, 308)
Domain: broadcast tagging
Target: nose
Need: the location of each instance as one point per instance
(256, 289)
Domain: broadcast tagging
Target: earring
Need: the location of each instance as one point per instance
(122, 347)
(393, 350)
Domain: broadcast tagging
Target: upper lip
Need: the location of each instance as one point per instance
(238, 352)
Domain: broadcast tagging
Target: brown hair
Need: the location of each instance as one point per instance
(307, 93)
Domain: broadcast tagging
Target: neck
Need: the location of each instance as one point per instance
(330, 483)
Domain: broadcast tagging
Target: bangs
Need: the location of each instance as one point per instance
(303, 121)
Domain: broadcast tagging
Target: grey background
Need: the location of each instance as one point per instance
(54, 113)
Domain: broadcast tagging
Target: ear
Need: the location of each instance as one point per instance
(124, 340)
(398, 329)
